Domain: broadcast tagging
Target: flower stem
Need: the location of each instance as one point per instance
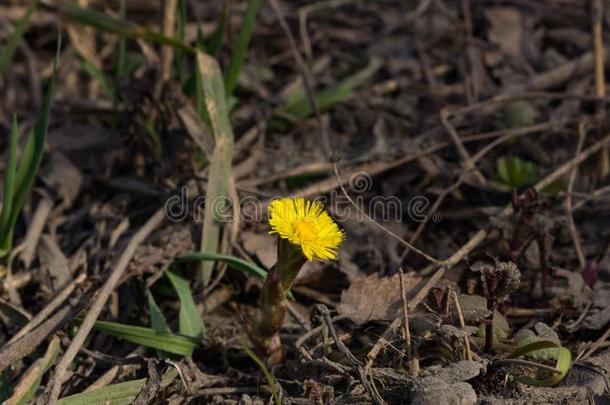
(264, 333)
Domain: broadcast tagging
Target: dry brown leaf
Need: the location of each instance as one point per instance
(506, 29)
(261, 245)
(374, 298)
(53, 261)
(60, 175)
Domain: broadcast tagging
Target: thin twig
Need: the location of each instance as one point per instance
(569, 201)
(112, 372)
(473, 90)
(385, 337)
(405, 314)
(34, 373)
(376, 168)
(35, 228)
(308, 82)
(100, 302)
(556, 76)
(308, 9)
(372, 221)
(595, 345)
(597, 13)
(49, 308)
(481, 235)
(460, 315)
(411, 360)
(354, 362)
(10, 354)
(167, 52)
(528, 363)
(314, 331)
(468, 166)
(459, 145)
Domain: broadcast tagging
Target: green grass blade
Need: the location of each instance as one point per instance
(190, 320)
(182, 20)
(9, 179)
(30, 381)
(157, 319)
(213, 47)
(200, 41)
(268, 376)
(31, 159)
(116, 394)
(300, 108)
(200, 97)
(98, 75)
(181, 68)
(220, 161)
(121, 60)
(243, 39)
(532, 347)
(335, 94)
(563, 364)
(148, 337)
(121, 27)
(6, 54)
(235, 262)
(6, 389)
(148, 124)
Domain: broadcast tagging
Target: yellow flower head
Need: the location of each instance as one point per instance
(306, 224)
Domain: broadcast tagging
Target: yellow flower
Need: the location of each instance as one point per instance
(306, 224)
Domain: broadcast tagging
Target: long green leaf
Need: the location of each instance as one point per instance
(180, 55)
(9, 179)
(31, 159)
(301, 108)
(168, 342)
(5, 386)
(268, 376)
(98, 75)
(121, 45)
(6, 54)
(239, 54)
(235, 262)
(220, 161)
(532, 347)
(191, 323)
(120, 27)
(200, 96)
(213, 48)
(563, 364)
(30, 380)
(116, 394)
(157, 320)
